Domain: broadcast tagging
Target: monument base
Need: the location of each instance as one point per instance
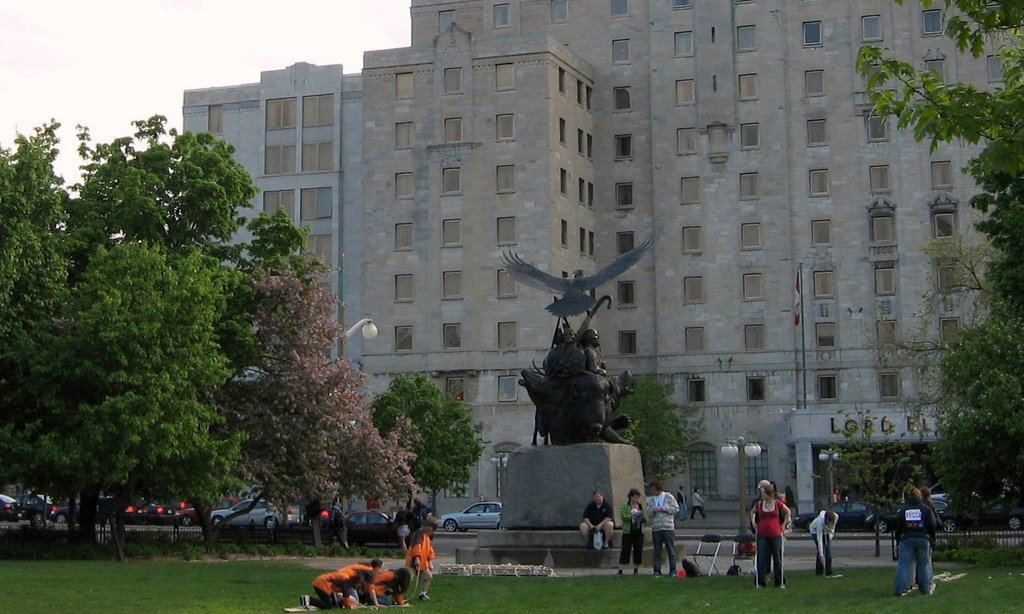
(555, 549)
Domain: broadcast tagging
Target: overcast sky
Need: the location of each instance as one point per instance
(106, 63)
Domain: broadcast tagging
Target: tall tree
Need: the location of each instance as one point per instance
(661, 430)
(442, 434)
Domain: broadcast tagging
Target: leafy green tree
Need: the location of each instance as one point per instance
(661, 430)
(441, 434)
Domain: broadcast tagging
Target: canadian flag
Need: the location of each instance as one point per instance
(798, 296)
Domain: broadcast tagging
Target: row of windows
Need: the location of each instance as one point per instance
(451, 181)
(316, 157)
(827, 386)
(453, 82)
(314, 203)
(451, 233)
(316, 111)
(452, 336)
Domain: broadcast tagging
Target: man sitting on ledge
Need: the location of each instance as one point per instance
(598, 518)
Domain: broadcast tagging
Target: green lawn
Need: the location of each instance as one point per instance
(221, 587)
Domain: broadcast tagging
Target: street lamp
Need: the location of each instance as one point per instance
(830, 456)
(366, 325)
(741, 449)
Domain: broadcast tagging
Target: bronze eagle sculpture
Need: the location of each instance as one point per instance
(574, 290)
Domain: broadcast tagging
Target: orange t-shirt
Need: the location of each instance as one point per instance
(382, 582)
(334, 581)
(422, 546)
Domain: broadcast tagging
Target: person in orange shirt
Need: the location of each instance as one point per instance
(421, 554)
(388, 586)
(341, 588)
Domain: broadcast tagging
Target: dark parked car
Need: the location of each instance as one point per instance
(997, 516)
(104, 512)
(887, 518)
(852, 516)
(10, 509)
(150, 513)
(371, 527)
(36, 507)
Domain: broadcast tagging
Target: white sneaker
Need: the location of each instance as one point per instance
(304, 601)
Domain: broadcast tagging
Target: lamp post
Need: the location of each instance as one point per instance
(830, 456)
(366, 325)
(500, 462)
(740, 449)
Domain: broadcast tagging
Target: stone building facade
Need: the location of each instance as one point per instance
(736, 134)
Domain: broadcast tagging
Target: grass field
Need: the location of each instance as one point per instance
(235, 587)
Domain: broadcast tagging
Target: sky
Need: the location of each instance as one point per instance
(106, 63)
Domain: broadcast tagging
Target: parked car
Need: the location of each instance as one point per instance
(485, 515)
(188, 516)
(888, 518)
(104, 512)
(36, 507)
(852, 516)
(263, 514)
(1001, 515)
(10, 509)
(150, 513)
(371, 526)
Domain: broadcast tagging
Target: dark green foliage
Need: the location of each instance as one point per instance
(661, 430)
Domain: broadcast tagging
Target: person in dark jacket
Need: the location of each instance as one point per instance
(914, 533)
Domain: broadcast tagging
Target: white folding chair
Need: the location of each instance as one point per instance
(707, 550)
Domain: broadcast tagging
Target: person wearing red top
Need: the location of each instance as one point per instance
(388, 586)
(771, 517)
(421, 554)
(341, 588)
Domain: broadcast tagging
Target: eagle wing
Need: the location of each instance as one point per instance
(613, 270)
(525, 273)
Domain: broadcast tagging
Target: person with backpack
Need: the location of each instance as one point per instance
(771, 518)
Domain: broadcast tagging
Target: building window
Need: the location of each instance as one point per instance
(994, 63)
(943, 225)
(581, 189)
(506, 230)
(823, 287)
(882, 228)
(750, 235)
(279, 159)
(812, 33)
(215, 119)
(626, 293)
(689, 190)
(818, 181)
(684, 91)
(755, 388)
(506, 287)
(821, 232)
(508, 388)
(319, 247)
(403, 338)
(620, 51)
(878, 128)
(280, 113)
(686, 140)
(403, 85)
(621, 99)
(565, 234)
(620, 7)
(561, 130)
(949, 329)
(945, 277)
(403, 236)
(451, 232)
(750, 136)
(695, 391)
(451, 181)
(502, 17)
(445, 20)
(627, 342)
(749, 188)
(505, 176)
(693, 240)
(814, 83)
(563, 181)
(453, 129)
(746, 38)
(316, 203)
(451, 284)
(871, 28)
(403, 185)
(681, 4)
(318, 110)
(580, 92)
(816, 132)
(624, 242)
(506, 335)
(403, 288)
(942, 175)
(453, 80)
(403, 135)
(317, 157)
(888, 385)
(825, 335)
(274, 200)
(451, 336)
(694, 338)
(455, 388)
(624, 195)
(886, 331)
(753, 287)
(580, 142)
(879, 178)
(583, 240)
(683, 44)
(827, 388)
(885, 281)
(938, 67)
(624, 146)
(559, 11)
(693, 290)
(504, 77)
(505, 127)
(931, 21)
(748, 86)
(753, 337)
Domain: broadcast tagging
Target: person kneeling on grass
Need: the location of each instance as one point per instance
(341, 588)
(388, 586)
(421, 554)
